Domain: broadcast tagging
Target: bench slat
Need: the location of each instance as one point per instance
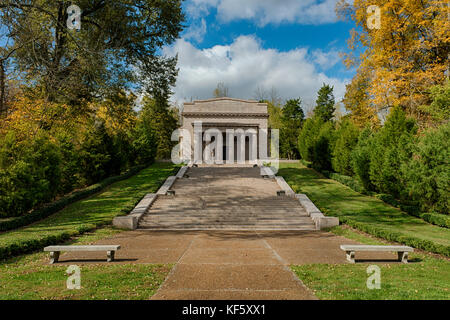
(376, 248)
(82, 248)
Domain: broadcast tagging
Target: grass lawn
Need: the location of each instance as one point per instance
(424, 278)
(335, 199)
(30, 277)
(87, 214)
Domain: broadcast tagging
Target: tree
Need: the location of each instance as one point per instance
(428, 172)
(357, 101)
(163, 121)
(392, 146)
(360, 157)
(439, 109)
(322, 148)
(292, 118)
(268, 96)
(308, 136)
(260, 94)
(117, 44)
(221, 90)
(293, 112)
(346, 139)
(405, 56)
(2, 88)
(325, 103)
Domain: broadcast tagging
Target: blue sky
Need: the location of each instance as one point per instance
(290, 45)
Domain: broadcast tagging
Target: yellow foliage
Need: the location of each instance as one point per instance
(408, 54)
(28, 115)
(116, 112)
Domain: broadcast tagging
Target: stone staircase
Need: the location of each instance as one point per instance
(222, 198)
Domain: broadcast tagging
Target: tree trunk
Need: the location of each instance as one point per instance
(2, 89)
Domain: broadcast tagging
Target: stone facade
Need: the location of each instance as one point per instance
(225, 114)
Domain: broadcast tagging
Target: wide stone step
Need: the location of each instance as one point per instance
(266, 215)
(188, 222)
(229, 227)
(231, 221)
(293, 211)
(229, 216)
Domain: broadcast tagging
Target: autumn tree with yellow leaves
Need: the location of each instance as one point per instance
(399, 61)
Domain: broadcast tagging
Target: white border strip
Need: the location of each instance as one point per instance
(131, 221)
(321, 221)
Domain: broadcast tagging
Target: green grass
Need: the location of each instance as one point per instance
(424, 278)
(87, 214)
(335, 199)
(30, 277)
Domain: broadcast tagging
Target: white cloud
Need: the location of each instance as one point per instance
(244, 66)
(326, 59)
(264, 12)
(196, 31)
(199, 8)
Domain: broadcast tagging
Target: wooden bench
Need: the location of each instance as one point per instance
(55, 250)
(402, 251)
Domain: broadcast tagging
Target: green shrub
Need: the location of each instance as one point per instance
(291, 120)
(29, 173)
(143, 145)
(437, 219)
(323, 147)
(70, 169)
(350, 182)
(346, 140)
(95, 154)
(389, 199)
(163, 120)
(392, 148)
(360, 158)
(428, 173)
(308, 136)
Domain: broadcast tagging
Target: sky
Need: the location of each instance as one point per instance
(290, 45)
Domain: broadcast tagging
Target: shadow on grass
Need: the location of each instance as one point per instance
(102, 261)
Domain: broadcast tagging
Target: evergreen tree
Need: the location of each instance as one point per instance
(163, 121)
(325, 103)
(292, 118)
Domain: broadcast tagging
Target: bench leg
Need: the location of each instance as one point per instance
(110, 256)
(54, 256)
(351, 256)
(403, 257)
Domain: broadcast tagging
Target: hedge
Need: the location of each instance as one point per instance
(348, 181)
(436, 219)
(49, 209)
(411, 208)
(22, 247)
(397, 237)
